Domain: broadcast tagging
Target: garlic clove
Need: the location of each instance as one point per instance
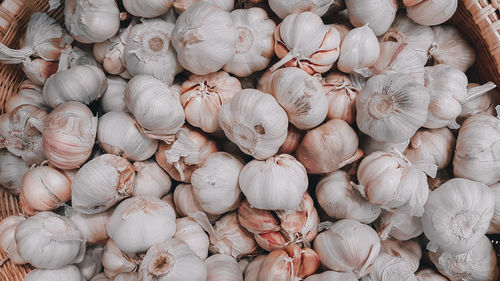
(434, 146)
(292, 141)
(100, 277)
(341, 95)
(65, 273)
(91, 264)
(147, 8)
(113, 97)
(398, 225)
(115, 261)
(432, 12)
(253, 268)
(7, 241)
(378, 14)
(485, 102)
(93, 227)
(230, 238)
(360, 49)
(256, 220)
(223, 267)
(385, 263)
(409, 251)
(190, 232)
(289, 263)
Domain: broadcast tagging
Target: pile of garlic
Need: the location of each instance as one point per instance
(203, 140)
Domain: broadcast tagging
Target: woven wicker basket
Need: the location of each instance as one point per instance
(477, 19)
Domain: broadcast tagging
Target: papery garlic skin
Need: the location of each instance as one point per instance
(255, 122)
(328, 147)
(39, 70)
(370, 145)
(115, 261)
(112, 99)
(484, 103)
(181, 5)
(12, 169)
(432, 12)
(93, 227)
(191, 233)
(480, 263)
(110, 52)
(476, 152)
(223, 267)
(100, 277)
(140, 222)
(292, 141)
(172, 260)
(340, 199)
(283, 8)
(204, 38)
(378, 14)
(129, 276)
(91, 264)
(252, 271)
(8, 243)
(49, 241)
(332, 276)
(147, 8)
(184, 200)
(434, 146)
(391, 108)
(457, 215)
(449, 47)
(495, 221)
(43, 189)
(90, 21)
(28, 94)
(304, 41)
(359, 49)
(429, 275)
(341, 95)
(398, 225)
(230, 238)
(408, 250)
(254, 48)
(69, 135)
(202, 97)
(288, 263)
(348, 246)
(277, 183)
(396, 57)
(65, 273)
(118, 134)
(101, 183)
(155, 106)
(387, 267)
(151, 179)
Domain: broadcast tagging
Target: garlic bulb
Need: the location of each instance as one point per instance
(457, 214)
(49, 241)
(304, 41)
(147, 8)
(289, 263)
(69, 135)
(391, 108)
(93, 227)
(476, 153)
(433, 146)
(432, 12)
(191, 233)
(151, 179)
(148, 50)
(185, 154)
(255, 122)
(485, 102)
(277, 183)
(329, 147)
(378, 14)
(230, 238)
(204, 38)
(181, 5)
(387, 267)
(118, 134)
(29, 93)
(389, 180)
(215, 183)
(91, 264)
(7, 241)
(495, 221)
(43, 189)
(254, 48)
(292, 141)
(252, 271)
(184, 200)
(429, 275)
(283, 8)
(398, 225)
(341, 95)
(449, 47)
(115, 261)
(140, 222)
(404, 30)
(407, 250)
(65, 273)
(301, 95)
(370, 145)
(332, 276)
(223, 268)
(203, 96)
(400, 58)
(101, 183)
(340, 200)
(90, 21)
(12, 169)
(479, 264)
(172, 260)
(360, 49)
(21, 133)
(348, 246)
(82, 83)
(113, 97)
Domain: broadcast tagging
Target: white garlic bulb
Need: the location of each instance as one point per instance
(185, 154)
(191, 233)
(65, 273)
(283, 8)
(147, 8)
(429, 275)
(255, 122)
(113, 97)
(332, 276)
(115, 261)
(340, 199)
(301, 95)
(341, 95)
(432, 12)
(118, 134)
(21, 133)
(204, 38)
(8, 244)
(291, 262)
(140, 222)
(43, 189)
(370, 145)
(479, 264)
(29, 93)
(407, 250)
(12, 169)
(348, 246)
(223, 268)
(449, 47)
(400, 58)
(69, 135)
(431, 146)
(277, 183)
(387, 267)
(202, 96)
(360, 49)
(172, 260)
(91, 21)
(485, 102)
(378, 14)
(181, 5)
(101, 183)
(254, 48)
(398, 225)
(477, 153)
(457, 214)
(91, 264)
(230, 238)
(495, 221)
(304, 41)
(93, 227)
(391, 108)
(49, 241)
(151, 179)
